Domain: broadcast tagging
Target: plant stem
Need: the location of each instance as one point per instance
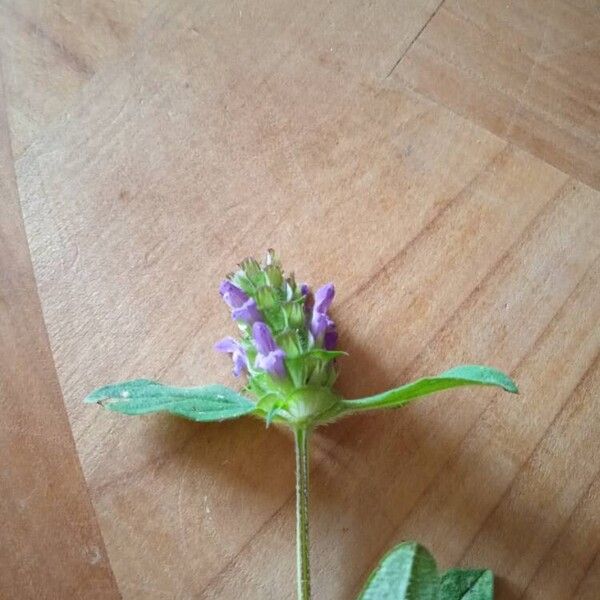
(302, 548)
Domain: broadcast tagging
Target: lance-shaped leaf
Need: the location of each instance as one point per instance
(142, 396)
(458, 376)
(407, 572)
(467, 584)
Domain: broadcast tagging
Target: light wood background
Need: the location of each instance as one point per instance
(440, 161)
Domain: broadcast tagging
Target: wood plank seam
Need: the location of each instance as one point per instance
(512, 142)
(410, 45)
(517, 97)
(96, 563)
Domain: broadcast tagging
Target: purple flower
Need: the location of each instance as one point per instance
(238, 354)
(233, 295)
(322, 328)
(270, 356)
(324, 298)
(243, 308)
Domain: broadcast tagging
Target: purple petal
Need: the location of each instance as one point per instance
(272, 362)
(240, 362)
(318, 325)
(331, 337)
(227, 344)
(234, 297)
(324, 298)
(304, 289)
(323, 331)
(270, 356)
(263, 340)
(247, 312)
(238, 354)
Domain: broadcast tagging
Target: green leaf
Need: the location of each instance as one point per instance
(467, 584)
(408, 572)
(142, 396)
(458, 376)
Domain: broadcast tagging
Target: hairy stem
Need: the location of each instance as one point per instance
(302, 549)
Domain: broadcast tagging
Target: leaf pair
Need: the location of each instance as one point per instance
(409, 572)
(218, 403)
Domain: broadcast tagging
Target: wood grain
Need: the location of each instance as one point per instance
(51, 543)
(438, 161)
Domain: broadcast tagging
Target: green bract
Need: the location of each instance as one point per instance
(287, 350)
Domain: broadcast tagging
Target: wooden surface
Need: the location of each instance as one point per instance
(439, 161)
(51, 544)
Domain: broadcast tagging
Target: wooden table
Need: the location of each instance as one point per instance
(439, 161)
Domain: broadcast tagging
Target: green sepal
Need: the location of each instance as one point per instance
(458, 376)
(295, 313)
(407, 572)
(290, 343)
(467, 584)
(266, 297)
(143, 396)
(313, 367)
(274, 275)
(275, 318)
(252, 270)
(291, 289)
